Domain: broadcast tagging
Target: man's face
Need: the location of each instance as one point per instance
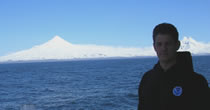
(165, 47)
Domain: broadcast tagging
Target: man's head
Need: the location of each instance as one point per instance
(165, 41)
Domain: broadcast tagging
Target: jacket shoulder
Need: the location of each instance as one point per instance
(148, 73)
(200, 80)
(146, 76)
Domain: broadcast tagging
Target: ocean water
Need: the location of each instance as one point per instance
(110, 84)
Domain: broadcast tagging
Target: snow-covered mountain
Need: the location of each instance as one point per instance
(59, 49)
(195, 47)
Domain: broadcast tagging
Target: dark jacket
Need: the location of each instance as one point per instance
(178, 88)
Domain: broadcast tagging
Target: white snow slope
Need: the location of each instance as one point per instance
(59, 49)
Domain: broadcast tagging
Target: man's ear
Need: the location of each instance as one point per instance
(178, 45)
(154, 46)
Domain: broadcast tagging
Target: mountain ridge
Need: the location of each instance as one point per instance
(195, 47)
(60, 49)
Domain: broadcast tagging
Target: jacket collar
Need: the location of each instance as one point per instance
(183, 63)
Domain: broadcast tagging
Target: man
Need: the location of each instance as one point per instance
(172, 84)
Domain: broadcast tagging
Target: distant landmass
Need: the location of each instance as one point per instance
(60, 49)
(195, 47)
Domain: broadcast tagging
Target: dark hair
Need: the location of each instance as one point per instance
(166, 28)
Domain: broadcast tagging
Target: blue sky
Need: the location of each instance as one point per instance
(126, 23)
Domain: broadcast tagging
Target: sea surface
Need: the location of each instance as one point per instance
(110, 84)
